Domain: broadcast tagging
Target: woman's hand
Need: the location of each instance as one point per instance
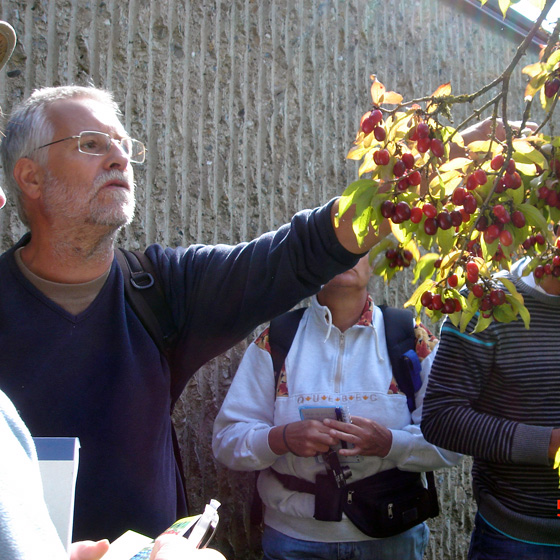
(367, 436)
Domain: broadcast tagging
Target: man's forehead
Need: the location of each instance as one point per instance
(72, 116)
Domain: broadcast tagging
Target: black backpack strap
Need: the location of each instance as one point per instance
(281, 333)
(401, 344)
(145, 295)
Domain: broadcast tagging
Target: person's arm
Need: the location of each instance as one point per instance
(245, 437)
(459, 373)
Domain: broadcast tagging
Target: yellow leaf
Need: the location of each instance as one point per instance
(533, 69)
(443, 90)
(397, 232)
(456, 163)
(480, 146)
(377, 90)
(356, 153)
(392, 98)
(504, 5)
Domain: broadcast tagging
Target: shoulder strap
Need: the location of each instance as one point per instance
(281, 333)
(401, 344)
(145, 295)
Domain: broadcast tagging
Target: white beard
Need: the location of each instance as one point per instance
(95, 206)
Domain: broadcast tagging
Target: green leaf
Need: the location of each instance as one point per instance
(482, 323)
(445, 239)
(535, 218)
(425, 266)
(521, 309)
(469, 313)
(504, 313)
(350, 194)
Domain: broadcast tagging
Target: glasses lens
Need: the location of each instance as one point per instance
(96, 143)
(137, 151)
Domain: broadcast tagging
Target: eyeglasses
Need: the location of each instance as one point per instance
(96, 143)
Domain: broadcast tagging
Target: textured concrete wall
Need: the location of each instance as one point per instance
(248, 109)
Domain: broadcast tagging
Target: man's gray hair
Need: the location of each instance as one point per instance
(29, 127)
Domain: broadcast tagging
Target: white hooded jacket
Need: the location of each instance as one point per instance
(324, 367)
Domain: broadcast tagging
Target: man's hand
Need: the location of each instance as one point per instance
(88, 550)
(174, 547)
(305, 438)
(368, 437)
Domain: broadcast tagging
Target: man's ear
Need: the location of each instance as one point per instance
(29, 176)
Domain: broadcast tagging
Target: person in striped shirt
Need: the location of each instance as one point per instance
(495, 395)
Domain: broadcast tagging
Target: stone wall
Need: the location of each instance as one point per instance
(248, 109)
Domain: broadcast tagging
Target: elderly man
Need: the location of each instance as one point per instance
(85, 365)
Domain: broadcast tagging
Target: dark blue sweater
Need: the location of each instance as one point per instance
(99, 375)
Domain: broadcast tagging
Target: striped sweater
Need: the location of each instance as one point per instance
(495, 395)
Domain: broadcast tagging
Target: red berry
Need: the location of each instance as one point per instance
(497, 297)
(499, 210)
(423, 130)
(449, 306)
(539, 271)
(430, 227)
(470, 204)
(426, 298)
(377, 116)
(368, 124)
(388, 209)
(403, 184)
(506, 238)
(472, 268)
(437, 303)
(456, 218)
(444, 220)
(551, 87)
(512, 180)
(458, 196)
(497, 162)
(552, 198)
(429, 210)
(408, 160)
(471, 183)
(492, 233)
(437, 263)
(539, 239)
(478, 290)
(423, 145)
(381, 157)
(511, 166)
(453, 281)
(402, 211)
(486, 303)
(556, 260)
(481, 223)
(399, 168)
(437, 147)
(415, 178)
(379, 133)
(416, 215)
(391, 254)
(480, 176)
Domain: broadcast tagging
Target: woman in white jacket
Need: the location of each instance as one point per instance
(338, 358)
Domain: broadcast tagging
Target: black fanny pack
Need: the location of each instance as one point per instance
(382, 505)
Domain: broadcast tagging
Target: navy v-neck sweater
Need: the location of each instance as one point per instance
(99, 376)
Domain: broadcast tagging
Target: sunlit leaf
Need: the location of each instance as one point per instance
(392, 98)
(482, 323)
(535, 218)
(455, 163)
(443, 90)
(426, 285)
(377, 91)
